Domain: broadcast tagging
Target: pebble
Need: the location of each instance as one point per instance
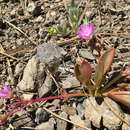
(46, 125)
(31, 7)
(46, 87)
(86, 54)
(61, 124)
(41, 116)
(70, 82)
(22, 120)
(33, 75)
(48, 52)
(96, 110)
(18, 69)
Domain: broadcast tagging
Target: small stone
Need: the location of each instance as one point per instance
(96, 110)
(70, 82)
(76, 119)
(18, 69)
(53, 13)
(61, 124)
(41, 116)
(86, 54)
(80, 109)
(28, 96)
(46, 87)
(95, 53)
(39, 19)
(125, 126)
(22, 120)
(37, 11)
(69, 110)
(46, 125)
(33, 75)
(31, 7)
(48, 52)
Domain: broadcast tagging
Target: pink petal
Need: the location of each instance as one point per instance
(5, 92)
(6, 89)
(3, 95)
(86, 31)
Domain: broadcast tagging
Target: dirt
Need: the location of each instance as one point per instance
(26, 24)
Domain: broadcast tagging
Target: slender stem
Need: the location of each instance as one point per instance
(13, 109)
(11, 104)
(55, 97)
(17, 110)
(42, 99)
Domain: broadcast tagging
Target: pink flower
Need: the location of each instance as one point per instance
(86, 31)
(6, 92)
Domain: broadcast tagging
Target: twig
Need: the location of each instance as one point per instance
(109, 106)
(57, 116)
(68, 40)
(11, 57)
(20, 31)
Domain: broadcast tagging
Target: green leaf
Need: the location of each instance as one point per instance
(86, 20)
(83, 71)
(99, 73)
(62, 30)
(103, 66)
(121, 96)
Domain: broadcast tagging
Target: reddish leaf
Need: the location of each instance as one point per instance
(83, 71)
(121, 96)
(126, 72)
(106, 58)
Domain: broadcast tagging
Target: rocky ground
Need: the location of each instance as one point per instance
(26, 47)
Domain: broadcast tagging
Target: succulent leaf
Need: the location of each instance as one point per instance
(107, 59)
(121, 96)
(99, 73)
(83, 71)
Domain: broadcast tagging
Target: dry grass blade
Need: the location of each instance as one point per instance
(82, 15)
(11, 57)
(68, 40)
(57, 116)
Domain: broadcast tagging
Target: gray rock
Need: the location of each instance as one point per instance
(95, 112)
(31, 7)
(61, 124)
(70, 82)
(80, 109)
(76, 119)
(41, 116)
(33, 75)
(85, 53)
(28, 96)
(46, 87)
(19, 68)
(46, 125)
(49, 52)
(22, 120)
(125, 126)
(69, 110)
